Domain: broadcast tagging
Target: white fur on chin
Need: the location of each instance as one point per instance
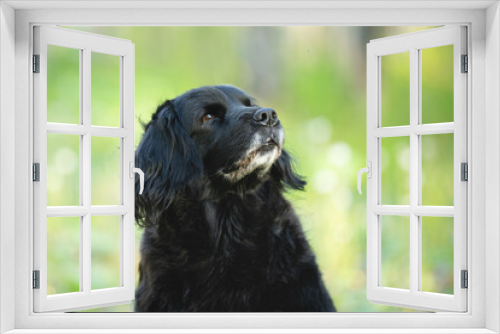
(254, 159)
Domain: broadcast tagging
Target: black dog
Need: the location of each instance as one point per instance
(219, 235)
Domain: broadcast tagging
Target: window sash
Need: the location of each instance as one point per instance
(86, 43)
(413, 43)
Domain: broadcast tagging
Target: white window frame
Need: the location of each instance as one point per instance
(86, 44)
(16, 21)
(414, 296)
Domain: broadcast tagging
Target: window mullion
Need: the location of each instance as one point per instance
(414, 172)
(85, 179)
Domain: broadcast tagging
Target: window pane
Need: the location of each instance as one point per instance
(437, 254)
(105, 90)
(106, 171)
(63, 169)
(63, 255)
(395, 251)
(395, 86)
(437, 169)
(106, 244)
(63, 85)
(395, 170)
(437, 84)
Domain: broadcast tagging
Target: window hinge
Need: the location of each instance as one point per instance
(465, 64)
(36, 172)
(464, 172)
(36, 63)
(465, 279)
(36, 279)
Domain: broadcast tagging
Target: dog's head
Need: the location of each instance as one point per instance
(212, 140)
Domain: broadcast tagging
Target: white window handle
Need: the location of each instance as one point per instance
(141, 175)
(368, 171)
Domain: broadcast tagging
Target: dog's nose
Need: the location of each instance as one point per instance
(266, 117)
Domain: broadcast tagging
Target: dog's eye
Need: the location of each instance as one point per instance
(207, 117)
(213, 110)
(247, 103)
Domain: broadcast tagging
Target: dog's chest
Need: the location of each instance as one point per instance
(228, 247)
(240, 253)
(239, 247)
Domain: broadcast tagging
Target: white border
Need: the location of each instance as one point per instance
(491, 163)
(7, 166)
(249, 4)
(477, 124)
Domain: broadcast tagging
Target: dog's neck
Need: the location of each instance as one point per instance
(242, 216)
(220, 189)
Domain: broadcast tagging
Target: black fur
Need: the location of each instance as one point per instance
(219, 235)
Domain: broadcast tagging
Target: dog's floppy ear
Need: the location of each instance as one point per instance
(170, 161)
(282, 172)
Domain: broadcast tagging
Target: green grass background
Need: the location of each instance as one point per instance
(315, 78)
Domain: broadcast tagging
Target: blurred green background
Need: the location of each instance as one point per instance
(315, 78)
